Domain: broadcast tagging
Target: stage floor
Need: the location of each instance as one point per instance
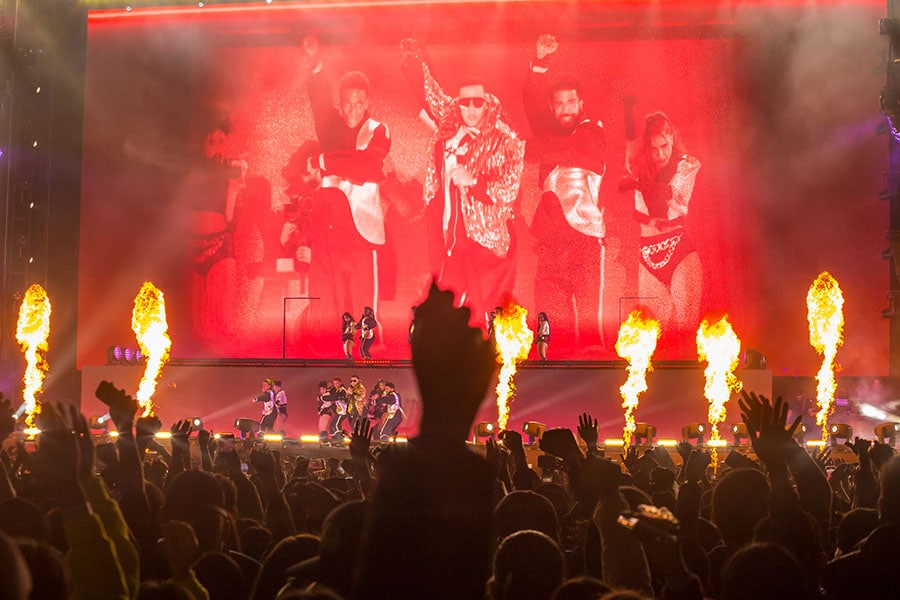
(551, 393)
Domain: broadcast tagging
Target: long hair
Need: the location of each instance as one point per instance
(655, 124)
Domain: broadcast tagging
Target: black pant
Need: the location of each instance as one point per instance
(365, 345)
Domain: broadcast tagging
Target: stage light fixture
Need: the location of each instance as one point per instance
(197, 423)
(99, 422)
(114, 355)
(533, 430)
(693, 431)
(754, 359)
(800, 433)
(272, 437)
(128, 355)
(485, 429)
(246, 427)
(840, 433)
(739, 431)
(887, 431)
(644, 434)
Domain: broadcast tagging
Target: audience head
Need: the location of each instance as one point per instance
(14, 571)
(740, 501)
(528, 565)
(583, 587)
(762, 571)
(521, 510)
(889, 501)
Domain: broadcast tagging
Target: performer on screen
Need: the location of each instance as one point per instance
(366, 325)
(470, 189)
(568, 224)
(211, 190)
(348, 329)
(662, 175)
(267, 398)
(349, 218)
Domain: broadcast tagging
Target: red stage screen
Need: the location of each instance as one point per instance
(222, 163)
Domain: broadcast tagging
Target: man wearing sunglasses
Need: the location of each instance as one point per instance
(568, 224)
(470, 188)
(350, 214)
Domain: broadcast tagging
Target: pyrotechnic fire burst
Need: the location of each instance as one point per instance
(513, 338)
(719, 346)
(148, 321)
(32, 332)
(824, 304)
(636, 343)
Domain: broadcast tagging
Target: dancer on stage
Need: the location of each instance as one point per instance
(348, 327)
(367, 325)
(281, 402)
(542, 339)
(267, 397)
(391, 414)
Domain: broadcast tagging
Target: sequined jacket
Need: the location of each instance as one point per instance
(496, 160)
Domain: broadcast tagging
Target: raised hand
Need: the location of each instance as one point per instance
(766, 427)
(560, 442)
(122, 407)
(513, 441)
(859, 446)
(262, 462)
(361, 440)
(696, 465)
(57, 458)
(546, 45)
(587, 430)
(879, 454)
(453, 364)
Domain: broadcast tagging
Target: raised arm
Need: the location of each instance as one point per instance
(426, 88)
(534, 94)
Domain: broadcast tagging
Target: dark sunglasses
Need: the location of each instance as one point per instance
(470, 102)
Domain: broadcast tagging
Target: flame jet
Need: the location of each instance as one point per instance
(32, 333)
(825, 304)
(513, 339)
(636, 343)
(148, 321)
(720, 347)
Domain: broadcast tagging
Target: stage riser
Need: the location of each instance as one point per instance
(553, 396)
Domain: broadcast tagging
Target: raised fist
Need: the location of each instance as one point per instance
(547, 44)
(311, 45)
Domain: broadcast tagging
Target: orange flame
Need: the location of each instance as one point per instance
(148, 321)
(824, 304)
(32, 332)
(513, 339)
(636, 343)
(719, 346)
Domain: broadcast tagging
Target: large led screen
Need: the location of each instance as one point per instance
(272, 169)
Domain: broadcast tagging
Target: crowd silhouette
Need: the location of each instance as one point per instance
(433, 519)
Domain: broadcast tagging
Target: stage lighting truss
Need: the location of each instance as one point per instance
(484, 430)
(693, 432)
(887, 433)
